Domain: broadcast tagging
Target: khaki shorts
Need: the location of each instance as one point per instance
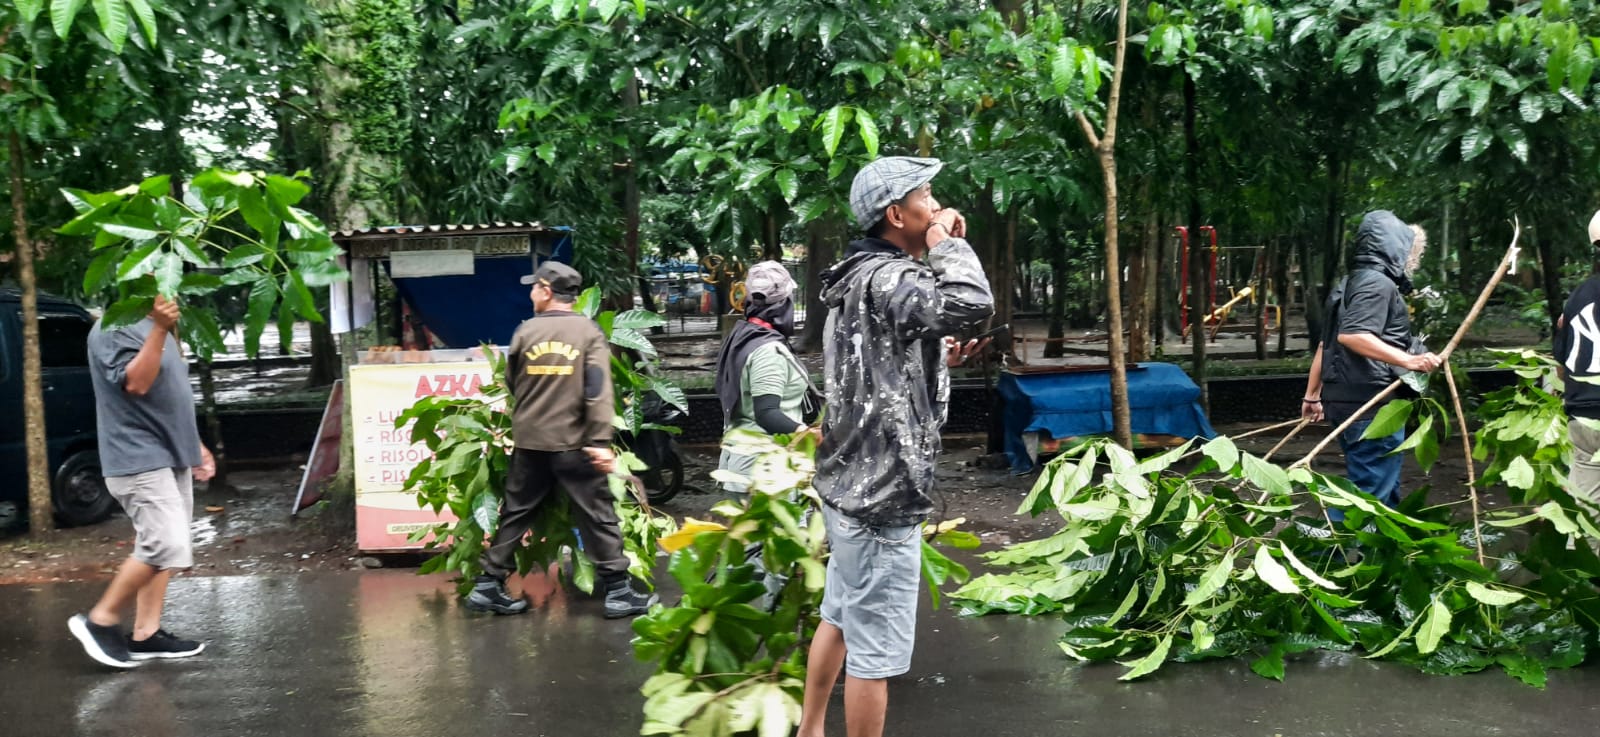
(874, 574)
(161, 505)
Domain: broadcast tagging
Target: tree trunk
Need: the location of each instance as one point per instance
(1058, 290)
(630, 195)
(1550, 270)
(1263, 290)
(1198, 273)
(324, 354)
(1138, 278)
(219, 450)
(1006, 297)
(1280, 278)
(41, 519)
(822, 238)
(1104, 146)
(364, 103)
(1325, 268)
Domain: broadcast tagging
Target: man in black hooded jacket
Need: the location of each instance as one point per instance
(1366, 345)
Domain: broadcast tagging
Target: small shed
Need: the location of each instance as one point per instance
(461, 282)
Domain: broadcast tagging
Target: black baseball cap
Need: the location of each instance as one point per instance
(559, 277)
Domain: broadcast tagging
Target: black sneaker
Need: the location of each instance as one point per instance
(489, 595)
(107, 645)
(163, 644)
(622, 600)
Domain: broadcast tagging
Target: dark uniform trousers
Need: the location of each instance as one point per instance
(533, 475)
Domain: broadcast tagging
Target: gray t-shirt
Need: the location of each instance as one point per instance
(139, 434)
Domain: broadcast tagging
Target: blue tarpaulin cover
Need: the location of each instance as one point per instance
(483, 307)
(1162, 400)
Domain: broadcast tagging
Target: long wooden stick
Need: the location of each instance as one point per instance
(1466, 324)
(1269, 428)
(1466, 449)
(1304, 423)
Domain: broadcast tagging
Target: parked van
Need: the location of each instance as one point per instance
(78, 491)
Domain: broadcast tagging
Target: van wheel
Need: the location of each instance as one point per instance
(80, 495)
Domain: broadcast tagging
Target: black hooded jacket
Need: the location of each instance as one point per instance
(1368, 300)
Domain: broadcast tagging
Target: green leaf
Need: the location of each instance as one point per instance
(1474, 142)
(286, 191)
(147, 18)
(131, 232)
(169, 274)
(29, 9)
(1389, 420)
(1305, 570)
(138, 263)
(1273, 573)
(95, 276)
(1450, 93)
(1222, 450)
(1270, 665)
(245, 255)
(113, 21)
(1478, 91)
(196, 283)
(1531, 105)
(1524, 667)
(127, 311)
(1516, 140)
(62, 13)
(788, 184)
(833, 123)
(516, 157)
(1493, 596)
(263, 295)
(1518, 474)
(1150, 662)
(1211, 582)
(753, 174)
(607, 9)
(1434, 626)
(253, 206)
(157, 186)
(638, 320)
(1062, 68)
(1089, 64)
(869, 133)
(632, 340)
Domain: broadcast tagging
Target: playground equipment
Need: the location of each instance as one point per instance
(1216, 316)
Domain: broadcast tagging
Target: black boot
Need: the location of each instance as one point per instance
(489, 595)
(622, 600)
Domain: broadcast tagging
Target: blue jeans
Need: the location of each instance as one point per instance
(1370, 466)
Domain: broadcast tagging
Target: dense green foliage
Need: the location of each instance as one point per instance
(1162, 559)
(229, 232)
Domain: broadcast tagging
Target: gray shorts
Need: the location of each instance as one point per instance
(161, 505)
(871, 593)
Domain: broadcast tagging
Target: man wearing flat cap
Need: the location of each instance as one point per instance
(559, 372)
(894, 302)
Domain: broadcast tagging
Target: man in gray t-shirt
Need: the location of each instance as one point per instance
(149, 451)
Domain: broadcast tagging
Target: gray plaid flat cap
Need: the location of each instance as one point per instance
(881, 182)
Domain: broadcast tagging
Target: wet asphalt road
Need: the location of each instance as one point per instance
(389, 654)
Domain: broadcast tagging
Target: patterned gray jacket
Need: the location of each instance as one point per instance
(887, 385)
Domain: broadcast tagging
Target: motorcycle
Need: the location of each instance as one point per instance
(663, 479)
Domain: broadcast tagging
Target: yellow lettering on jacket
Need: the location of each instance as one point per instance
(554, 349)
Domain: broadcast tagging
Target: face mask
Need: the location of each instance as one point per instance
(780, 315)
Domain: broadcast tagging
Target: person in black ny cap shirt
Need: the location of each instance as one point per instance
(1577, 348)
(559, 372)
